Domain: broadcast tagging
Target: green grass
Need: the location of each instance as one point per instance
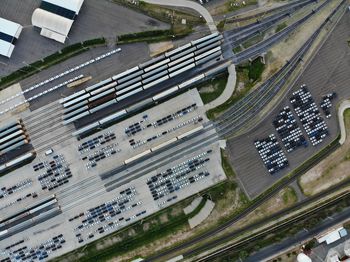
(226, 166)
(218, 85)
(234, 5)
(55, 58)
(221, 25)
(237, 49)
(255, 70)
(281, 26)
(289, 196)
(248, 74)
(254, 40)
(155, 35)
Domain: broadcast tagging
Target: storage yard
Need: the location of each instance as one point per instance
(105, 202)
(111, 136)
(327, 73)
(94, 177)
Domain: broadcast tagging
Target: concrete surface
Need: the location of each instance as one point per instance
(202, 215)
(189, 4)
(86, 188)
(228, 91)
(194, 204)
(343, 106)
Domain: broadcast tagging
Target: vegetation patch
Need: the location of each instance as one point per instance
(237, 49)
(253, 40)
(221, 25)
(281, 26)
(331, 170)
(283, 233)
(213, 88)
(156, 35)
(231, 6)
(247, 76)
(234, 5)
(289, 196)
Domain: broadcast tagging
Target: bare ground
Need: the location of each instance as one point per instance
(331, 170)
(285, 198)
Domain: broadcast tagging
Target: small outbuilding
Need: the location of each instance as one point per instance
(9, 33)
(55, 18)
(332, 235)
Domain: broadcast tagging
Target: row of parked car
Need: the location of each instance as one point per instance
(271, 154)
(326, 103)
(106, 215)
(6, 191)
(40, 252)
(289, 130)
(57, 173)
(177, 177)
(309, 115)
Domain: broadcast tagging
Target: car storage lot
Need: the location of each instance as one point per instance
(327, 72)
(96, 19)
(192, 172)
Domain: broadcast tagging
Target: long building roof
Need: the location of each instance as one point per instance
(9, 32)
(56, 17)
(73, 5)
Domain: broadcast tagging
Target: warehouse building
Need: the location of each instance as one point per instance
(55, 18)
(9, 33)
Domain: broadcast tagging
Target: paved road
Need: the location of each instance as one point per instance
(300, 237)
(343, 106)
(228, 91)
(189, 4)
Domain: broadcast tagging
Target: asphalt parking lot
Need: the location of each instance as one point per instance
(327, 72)
(96, 18)
(129, 55)
(71, 172)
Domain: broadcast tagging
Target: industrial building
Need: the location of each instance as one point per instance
(9, 33)
(55, 18)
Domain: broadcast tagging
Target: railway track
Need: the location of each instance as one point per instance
(259, 201)
(275, 228)
(247, 108)
(263, 198)
(255, 50)
(261, 14)
(239, 35)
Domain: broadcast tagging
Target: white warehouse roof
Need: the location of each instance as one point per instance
(56, 17)
(49, 22)
(9, 33)
(330, 237)
(73, 5)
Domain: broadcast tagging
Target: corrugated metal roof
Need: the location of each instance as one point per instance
(9, 27)
(73, 5)
(6, 48)
(52, 22)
